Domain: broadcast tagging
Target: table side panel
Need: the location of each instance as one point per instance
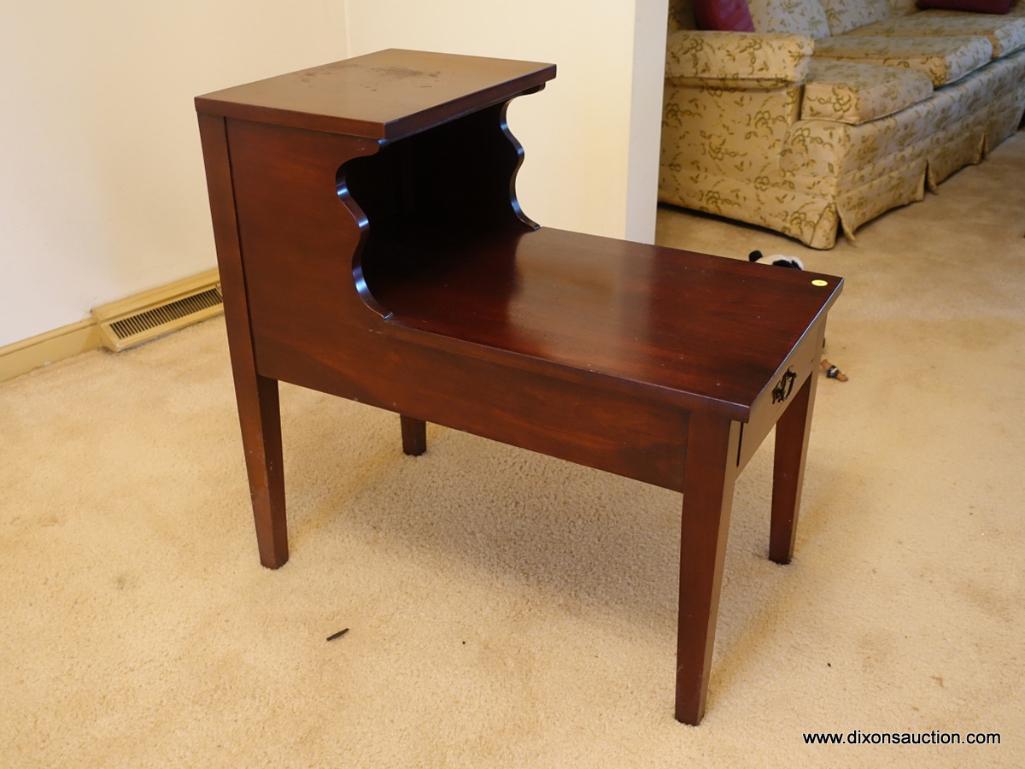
(594, 427)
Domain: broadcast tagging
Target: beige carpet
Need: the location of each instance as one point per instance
(509, 610)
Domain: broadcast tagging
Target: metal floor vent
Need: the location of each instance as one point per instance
(134, 325)
(146, 316)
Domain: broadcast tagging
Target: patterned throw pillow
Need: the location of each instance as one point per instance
(723, 15)
(975, 6)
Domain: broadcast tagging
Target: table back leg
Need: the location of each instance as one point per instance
(792, 431)
(414, 436)
(259, 416)
(711, 470)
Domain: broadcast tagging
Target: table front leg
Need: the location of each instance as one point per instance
(792, 431)
(257, 396)
(259, 415)
(711, 469)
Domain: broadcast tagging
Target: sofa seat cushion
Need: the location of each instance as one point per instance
(943, 59)
(1005, 33)
(822, 147)
(857, 92)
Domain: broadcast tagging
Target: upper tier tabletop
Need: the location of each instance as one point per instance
(715, 328)
(384, 95)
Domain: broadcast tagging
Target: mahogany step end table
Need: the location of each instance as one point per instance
(371, 246)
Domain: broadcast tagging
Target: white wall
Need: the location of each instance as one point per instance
(591, 137)
(102, 191)
(649, 64)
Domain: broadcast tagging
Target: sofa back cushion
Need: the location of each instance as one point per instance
(845, 15)
(795, 17)
(723, 15)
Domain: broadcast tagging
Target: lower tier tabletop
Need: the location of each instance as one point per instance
(715, 327)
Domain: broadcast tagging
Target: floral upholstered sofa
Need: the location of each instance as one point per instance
(833, 111)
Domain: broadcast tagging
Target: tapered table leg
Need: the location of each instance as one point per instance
(711, 468)
(792, 432)
(261, 439)
(414, 436)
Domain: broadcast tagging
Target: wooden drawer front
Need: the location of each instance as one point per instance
(774, 400)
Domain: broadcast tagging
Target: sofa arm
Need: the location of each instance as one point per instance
(737, 59)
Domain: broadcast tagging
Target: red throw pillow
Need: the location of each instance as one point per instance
(724, 15)
(975, 6)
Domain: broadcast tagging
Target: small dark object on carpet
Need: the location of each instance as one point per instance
(832, 372)
(339, 634)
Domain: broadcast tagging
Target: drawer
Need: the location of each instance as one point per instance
(780, 392)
